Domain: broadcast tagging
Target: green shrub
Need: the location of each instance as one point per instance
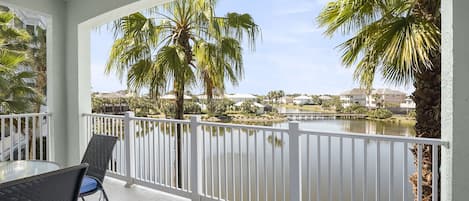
(355, 109)
(248, 108)
(380, 114)
(169, 108)
(219, 107)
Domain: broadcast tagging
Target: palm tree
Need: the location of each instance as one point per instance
(400, 39)
(179, 45)
(17, 95)
(37, 60)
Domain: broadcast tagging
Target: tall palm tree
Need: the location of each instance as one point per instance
(177, 44)
(400, 39)
(37, 60)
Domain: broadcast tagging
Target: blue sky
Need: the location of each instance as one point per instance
(293, 54)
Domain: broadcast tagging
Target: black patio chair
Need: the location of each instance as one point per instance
(60, 185)
(97, 155)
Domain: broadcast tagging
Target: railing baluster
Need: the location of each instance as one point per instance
(248, 165)
(2, 143)
(308, 169)
(352, 172)
(26, 132)
(341, 169)
(218, 163)
(256, 166)
(318, 168)
(435, 173)
(233, 178)
(12, 139)
(264, 137)
(241, 189)
(329, 170)
(34, 138)
(391, 171)
(204, 164)
(419, 175)
(378, 171)
(226, 164)
(365, 172)
(405, 174)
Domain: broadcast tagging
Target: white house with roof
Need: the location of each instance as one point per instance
(302, 100)
(354, 96)
(372, 99)
(325, 98)
(286, 100)
(240, 97)
(408, 104)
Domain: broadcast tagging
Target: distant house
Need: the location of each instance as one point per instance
(386, 97)
(286, 100)
(173, 97)
(354, 96)
(302, 100)
(325, 98)
(374, 99)
(240, 97)
(117, 94)
(204, 97)
(408, 104)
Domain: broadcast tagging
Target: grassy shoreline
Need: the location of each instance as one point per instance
(400, 119)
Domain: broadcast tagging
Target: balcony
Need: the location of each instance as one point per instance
(240, 162)
(235, 162)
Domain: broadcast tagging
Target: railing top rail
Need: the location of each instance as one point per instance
(416, 140)
(226, 125)
(25, 115)
(160, 120)
(104, 115)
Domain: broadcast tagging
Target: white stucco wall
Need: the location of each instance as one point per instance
(455, 100)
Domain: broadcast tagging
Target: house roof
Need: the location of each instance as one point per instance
(354, 91)
(325, 97)
(387, 92)
(245, 96)
(302, 98)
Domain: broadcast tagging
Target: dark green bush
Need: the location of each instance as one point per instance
(380, 114)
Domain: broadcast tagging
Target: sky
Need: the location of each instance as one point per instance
(292, 53)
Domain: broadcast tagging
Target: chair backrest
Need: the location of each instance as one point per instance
(97, 155)
(60, 185)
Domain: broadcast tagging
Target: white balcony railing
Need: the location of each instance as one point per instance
(240, 162)
(25, 137)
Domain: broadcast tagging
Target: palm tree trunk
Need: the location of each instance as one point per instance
(427, 98)
(179, 115)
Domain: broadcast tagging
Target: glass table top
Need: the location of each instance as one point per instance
(13, 170)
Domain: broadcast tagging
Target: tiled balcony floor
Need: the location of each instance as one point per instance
(117, 192)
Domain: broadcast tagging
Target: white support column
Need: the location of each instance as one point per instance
(295, 161)
(196, 159)
(455, 100)
(129, 136)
